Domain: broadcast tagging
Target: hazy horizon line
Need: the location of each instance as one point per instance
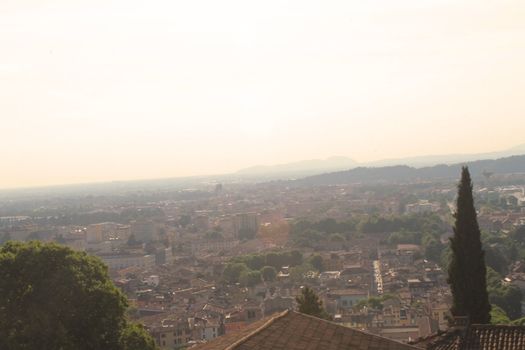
(237, 172)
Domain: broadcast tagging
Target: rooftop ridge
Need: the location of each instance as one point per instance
(473, 334)
(261, 328)
(352, 329)
(481, 325)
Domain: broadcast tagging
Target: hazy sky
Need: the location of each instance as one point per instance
(96, 90)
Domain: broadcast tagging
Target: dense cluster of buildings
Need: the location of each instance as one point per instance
(170, 263)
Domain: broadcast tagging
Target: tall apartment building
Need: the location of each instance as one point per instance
(95, 233)
(245, 221)
(122, 261)
(103, 231)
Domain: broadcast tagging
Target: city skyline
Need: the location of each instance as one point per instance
(103, 91)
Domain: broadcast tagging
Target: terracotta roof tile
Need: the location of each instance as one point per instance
(478, 337)
(487, 337)
(294, 331)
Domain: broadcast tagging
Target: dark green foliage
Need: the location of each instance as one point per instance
(429, 240)
(253, 261)
(54, 298)
(233, 272)
(375, 302)
(404, 237)
(307, 238)
(310, 304)
(251, 266)
(519, 322)
(426, 222)
(433, 250)
(502, 250)
(495, 259)
(275, 259)
(299, 273)
(507, 297)
(519, 234)
(493, 279)
(331, 226)
(268, 273)
(135, 337)
(309, 234)
(317, 262)
(249, 278)
(296, 258)
(405, 229)
(467, 271)
(498, 315)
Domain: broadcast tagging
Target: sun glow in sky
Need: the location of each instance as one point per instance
(96, 90)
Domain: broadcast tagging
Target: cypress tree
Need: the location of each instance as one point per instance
(467, 270)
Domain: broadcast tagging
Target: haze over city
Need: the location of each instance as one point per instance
(117, 90)
(246, 175)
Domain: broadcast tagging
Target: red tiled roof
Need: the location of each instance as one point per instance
(478, 337)
(440, 341)
(489, 337)
(295, 331)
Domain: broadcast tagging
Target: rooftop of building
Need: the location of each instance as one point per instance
(293, 331)
(477, 337)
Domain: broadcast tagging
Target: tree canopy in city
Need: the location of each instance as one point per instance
(268, 273)
(52, 297)
(310, 304)
(467, 270)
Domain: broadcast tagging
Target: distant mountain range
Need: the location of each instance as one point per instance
(301, 168)
(319, 166)
(316, 171)
(404, 173)
(423, 161)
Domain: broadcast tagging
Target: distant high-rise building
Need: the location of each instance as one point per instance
(95, 233)
(122, 232)
(245, 221)
(102, 232)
